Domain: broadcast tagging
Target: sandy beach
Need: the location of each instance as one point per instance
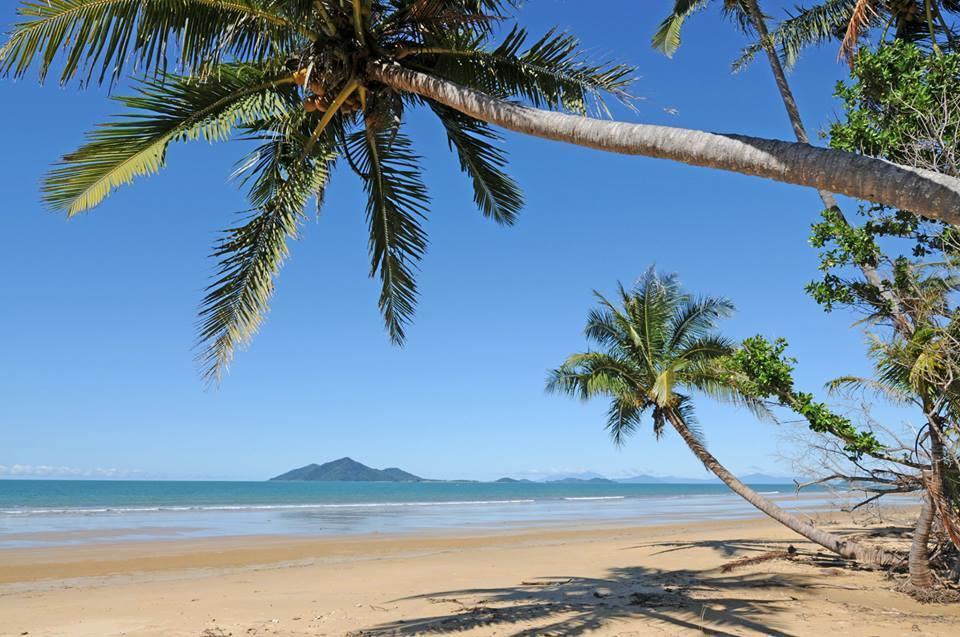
(655, 580)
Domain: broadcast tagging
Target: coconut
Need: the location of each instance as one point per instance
(315, 104)
(300, 77)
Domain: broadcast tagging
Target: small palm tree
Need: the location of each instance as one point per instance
(657, 346)
(923, 370)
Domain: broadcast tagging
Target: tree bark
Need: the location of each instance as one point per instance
(924, 192)
(919, 560)
(834, 543)
(902, 323)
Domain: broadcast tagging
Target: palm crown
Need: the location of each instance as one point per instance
(292, 76)
(848, 21)
(657, 345)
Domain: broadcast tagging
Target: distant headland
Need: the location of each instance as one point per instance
(349, 470)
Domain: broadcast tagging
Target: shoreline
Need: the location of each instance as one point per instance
(614, 580)
(123, 559)
(108, 526)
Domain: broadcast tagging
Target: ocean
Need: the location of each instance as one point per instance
(59, 512)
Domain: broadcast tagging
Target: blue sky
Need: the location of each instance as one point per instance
(96, 367)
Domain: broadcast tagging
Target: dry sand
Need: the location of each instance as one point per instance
(655, 580)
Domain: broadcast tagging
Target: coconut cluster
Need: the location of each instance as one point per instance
(319, 99)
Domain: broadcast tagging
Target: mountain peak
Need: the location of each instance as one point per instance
(346, 470)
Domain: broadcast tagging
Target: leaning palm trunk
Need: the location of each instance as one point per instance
(835, 543)
(918, 561)
(925, 192)
(800, 132)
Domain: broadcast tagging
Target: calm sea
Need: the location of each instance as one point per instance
(52, 512)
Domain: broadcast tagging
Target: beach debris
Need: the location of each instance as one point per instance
(655, 600)
(546, 582)
(444, 600)
(215, 632)
(789, 555)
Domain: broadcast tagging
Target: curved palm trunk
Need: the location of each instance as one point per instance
(831, 542)
(932, 194)
(800, 132)
(919, 560)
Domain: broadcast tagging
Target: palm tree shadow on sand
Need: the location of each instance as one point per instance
(709, 601)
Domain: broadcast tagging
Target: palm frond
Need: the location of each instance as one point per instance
(687, 413)
(667, 38)
(703, 349)
(711, 379)
(806, 27)
(100, 39)
(396, 205)
(864, 11)
(164, 111)
(552, 73)
(496, 193)
(592, 374)
(623, 418)
(251, 254)
(650, 306)
(696, 319)
(893, 393)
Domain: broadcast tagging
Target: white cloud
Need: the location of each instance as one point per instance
(51, 471)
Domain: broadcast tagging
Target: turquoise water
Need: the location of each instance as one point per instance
(43, 512)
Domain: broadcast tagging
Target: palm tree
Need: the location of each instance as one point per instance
(657, 346)
(748, 14)
(317, 81)
(850, 21)
(923, 370)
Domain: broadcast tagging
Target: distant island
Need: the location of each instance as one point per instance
(349, 470)
(582, 481)
(345, 470)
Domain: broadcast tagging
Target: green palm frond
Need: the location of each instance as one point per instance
(251, 254)
(667, 38)
(696, 319)
(895, 394)
(495, 192)
(658, 344)
(99, 39)
(702, 350)
(164, 111)
(650, 306)
(292, 74)
(593, 374)
(688, 415)
(608, 328)
(807, 27)
(623, 418)
(552, 73)
(712, 380)
(396, 205)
